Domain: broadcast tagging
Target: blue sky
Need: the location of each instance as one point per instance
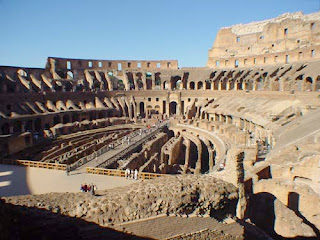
(32, 30)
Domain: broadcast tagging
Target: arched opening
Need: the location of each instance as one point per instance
(259, 84)
(204, 158)
(200, 85)
(37, 125)
(208, 84)
(126, 110)
(66, 119)
(132, 110)
(157, 81)
(142, 111)
(231, 86)
(165, 85)
(192, 86)
(29, 125)
(149, 80)
(100, 115)
(239, 84)
(139, 80)
(75, 117)
(68, 86)
(92, 116)
(318, 84)
(308, 84)
(193, 155)
(130, 80)
(56, 120)
(174, 81)
(224, 84)
(17, 126)
(173, 108)
(5, 129)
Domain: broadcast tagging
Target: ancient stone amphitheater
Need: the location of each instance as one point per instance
(237, 143)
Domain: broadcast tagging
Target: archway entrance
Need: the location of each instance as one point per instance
(173, 108)
(142, 112)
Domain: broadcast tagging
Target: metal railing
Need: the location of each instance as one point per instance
(27, 163)
(121, 173)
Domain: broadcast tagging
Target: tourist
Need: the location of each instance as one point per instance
(131, 174)
(127, 173)
(67, 170)
(92, 190)
(135, 174)
(85, 187)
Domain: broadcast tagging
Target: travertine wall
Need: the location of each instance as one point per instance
(291, 37)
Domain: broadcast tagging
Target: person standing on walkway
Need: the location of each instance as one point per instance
(135, 174)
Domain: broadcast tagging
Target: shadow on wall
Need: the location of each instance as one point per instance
(13, 181)
(261, 211)
(24, 223)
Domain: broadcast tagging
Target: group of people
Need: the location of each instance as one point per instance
(131, 174)
(88, 188)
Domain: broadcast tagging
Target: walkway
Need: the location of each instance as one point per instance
(16, 180)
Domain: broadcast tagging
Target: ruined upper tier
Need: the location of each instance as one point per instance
(291, 37)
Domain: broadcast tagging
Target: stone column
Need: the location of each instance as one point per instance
(235, 85)
(198, 164)
(187, 155)
(153, 82)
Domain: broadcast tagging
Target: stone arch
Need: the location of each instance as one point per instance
(17, 126)
(75, 117)
(38, 125)
(149, 80)
(317, 84)
(259, 84)
(165, 85)
(200, 85)
(204, 157)
(139, 80)
(173, 82)
(192, 86)
(232, 83)
(239, 84)
(68, 86)
(157, 80)
(224, 84)
(208, 84)
(66, 119)
(5, 129)
(56, 120)
(173, 108)
(142, 110)
(131, 80)
(308, 84)
(29, 125)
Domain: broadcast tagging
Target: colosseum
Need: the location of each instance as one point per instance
(232, 148)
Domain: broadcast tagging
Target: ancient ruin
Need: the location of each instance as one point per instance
(241, 136)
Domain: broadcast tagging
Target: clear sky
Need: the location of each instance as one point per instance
(32, 30)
